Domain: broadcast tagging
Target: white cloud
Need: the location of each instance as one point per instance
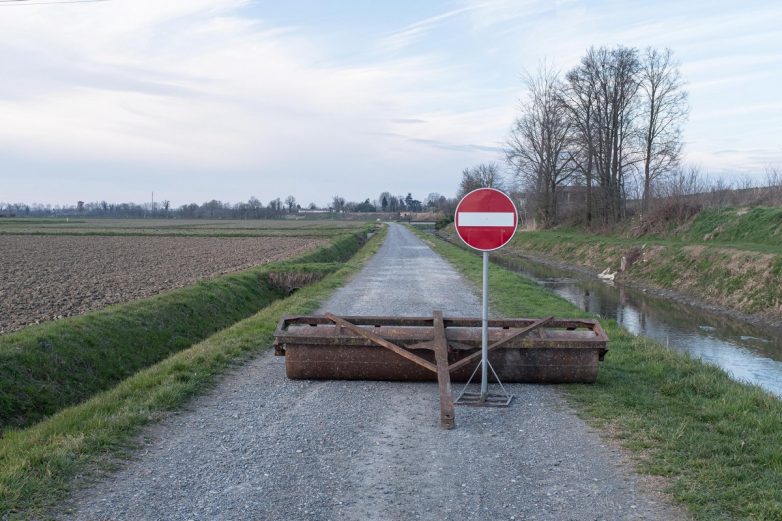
(194, 85)
(168, 89)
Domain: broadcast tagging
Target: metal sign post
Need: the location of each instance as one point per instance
(485, 330)
(486, 220)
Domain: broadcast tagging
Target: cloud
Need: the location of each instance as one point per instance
(149, 92)
(196, 86)
(416, 31)
(408, 121)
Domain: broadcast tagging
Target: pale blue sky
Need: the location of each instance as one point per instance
(227, 99)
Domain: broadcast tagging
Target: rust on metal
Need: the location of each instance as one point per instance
(382, 342)
(447, 415)
(559, 351)
(546, 350)
(476, 356)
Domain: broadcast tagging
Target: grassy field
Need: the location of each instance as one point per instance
(179, 227)
(38, 463)
(717, 442)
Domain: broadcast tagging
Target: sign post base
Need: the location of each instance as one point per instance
(484, 398)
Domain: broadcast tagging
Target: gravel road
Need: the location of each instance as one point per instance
(263, 447)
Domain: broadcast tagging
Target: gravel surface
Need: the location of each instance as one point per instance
(49, 277)
(264, 447)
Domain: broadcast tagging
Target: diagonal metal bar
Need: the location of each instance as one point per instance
(447, 416)
(382, 342)
(476, 356)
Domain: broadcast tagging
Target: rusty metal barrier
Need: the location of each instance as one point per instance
(439, 348)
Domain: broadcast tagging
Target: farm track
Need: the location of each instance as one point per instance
(49, 277)
(261, 446)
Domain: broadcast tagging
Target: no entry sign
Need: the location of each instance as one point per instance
(486, 219)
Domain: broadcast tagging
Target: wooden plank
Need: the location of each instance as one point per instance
(382, 342)
(447, 415)
(477, 356)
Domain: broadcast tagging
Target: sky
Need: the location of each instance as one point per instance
(226, 99)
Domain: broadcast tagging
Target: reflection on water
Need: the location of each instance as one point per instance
(747, 352)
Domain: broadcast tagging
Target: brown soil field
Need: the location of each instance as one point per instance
(49, 277)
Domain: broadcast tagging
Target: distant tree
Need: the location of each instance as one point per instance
(312, 206)
(412, 205)
(290, 202)
(254, 206)
(166, 205)
(486, 175)
(338, 203)
(80, 206)
(365, 206)
(213, 208)
(275, 205)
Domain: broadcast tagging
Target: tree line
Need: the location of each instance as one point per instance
(253, 208)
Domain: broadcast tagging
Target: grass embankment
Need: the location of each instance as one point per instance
(38, 464)
(718, 442)
(727, 257)
(47, 367)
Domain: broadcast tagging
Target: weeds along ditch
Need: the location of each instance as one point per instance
(39, 463)
(50, 366)
(716, 442)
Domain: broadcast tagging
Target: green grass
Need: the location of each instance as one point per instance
(47, 367)
(716, 441)
(38, 463)
(762, 226)
(549, 238)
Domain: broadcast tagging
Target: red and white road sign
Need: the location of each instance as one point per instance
(486, 219)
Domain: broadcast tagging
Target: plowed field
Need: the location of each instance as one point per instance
(50, 277)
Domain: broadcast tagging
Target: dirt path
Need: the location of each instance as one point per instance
(264, 447)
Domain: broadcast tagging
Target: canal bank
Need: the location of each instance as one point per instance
(716, 443)
(740, 280)
(750, 351)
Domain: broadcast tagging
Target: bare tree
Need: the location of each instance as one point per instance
(538, 148)
(255, 206)
(579, 94)
(290, 202)
(485, 175)
(338, 203)
(664, 109)
(611, 77)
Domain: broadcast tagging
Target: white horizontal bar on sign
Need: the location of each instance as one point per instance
(485, 219)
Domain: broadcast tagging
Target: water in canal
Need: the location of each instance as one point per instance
(747, 352)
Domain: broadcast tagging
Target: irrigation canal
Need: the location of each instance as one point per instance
(748, 353)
